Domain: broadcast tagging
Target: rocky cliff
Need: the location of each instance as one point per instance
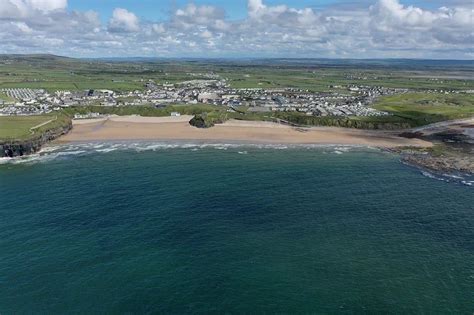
(14, 148)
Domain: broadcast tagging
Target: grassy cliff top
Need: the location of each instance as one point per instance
(26, 127)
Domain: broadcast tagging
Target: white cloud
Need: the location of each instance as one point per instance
(254, 6)
(27, 8)
(206, 34)
(22, 27)
(124, 21)
(11, 10)
(192, 15)
(46, 5)
(385, 29)
(392, 22)
(390, 14)
(158, 28)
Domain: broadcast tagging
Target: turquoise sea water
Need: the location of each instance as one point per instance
(160, 228)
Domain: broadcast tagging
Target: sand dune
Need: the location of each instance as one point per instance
(178, 128)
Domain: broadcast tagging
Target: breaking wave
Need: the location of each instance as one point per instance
(450, 178)
(54, 152)
(68, 151)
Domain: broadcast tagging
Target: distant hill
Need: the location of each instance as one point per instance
(408, 64)
(405, 64)
(39, 60)
(399, 64)
(34, 57)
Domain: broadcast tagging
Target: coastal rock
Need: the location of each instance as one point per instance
(206, 120)
(199, 121)
(457, 163)
(453, 150)
(25, 147)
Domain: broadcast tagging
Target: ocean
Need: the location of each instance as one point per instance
(192, 228)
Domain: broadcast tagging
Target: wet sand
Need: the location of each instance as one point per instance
(178, 128)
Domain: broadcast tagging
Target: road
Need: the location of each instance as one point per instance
(32, 129)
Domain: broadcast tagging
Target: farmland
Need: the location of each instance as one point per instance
(23, 127)
(422, 108)
(59, 73)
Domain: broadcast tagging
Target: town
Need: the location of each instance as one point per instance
(344, 101)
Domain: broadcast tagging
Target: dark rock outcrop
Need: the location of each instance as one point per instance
(206, 120)
(459, 163)
(14, 148)
(199, 121)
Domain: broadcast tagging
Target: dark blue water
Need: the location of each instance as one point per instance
(160, 229)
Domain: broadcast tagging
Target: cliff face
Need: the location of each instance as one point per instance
(19, 148)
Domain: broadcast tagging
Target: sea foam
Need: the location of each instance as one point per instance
(52, 152)
(74, 150)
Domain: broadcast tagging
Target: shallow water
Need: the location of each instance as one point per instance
(175, 228)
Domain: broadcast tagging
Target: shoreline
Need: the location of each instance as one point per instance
(53, 150)
(178, 129)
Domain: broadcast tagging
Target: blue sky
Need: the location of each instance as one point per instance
(235, 9)
(153, 10)
(240, 28)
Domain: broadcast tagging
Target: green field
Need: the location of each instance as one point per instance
(57, 73)
(324, 80)
(421, 108)
(20, 127)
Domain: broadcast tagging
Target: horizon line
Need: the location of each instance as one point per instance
(232, 58)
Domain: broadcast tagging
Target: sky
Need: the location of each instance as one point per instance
(427, 29)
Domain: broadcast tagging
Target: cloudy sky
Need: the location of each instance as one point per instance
(240, 28)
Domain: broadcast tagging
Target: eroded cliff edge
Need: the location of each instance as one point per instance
(15, 148)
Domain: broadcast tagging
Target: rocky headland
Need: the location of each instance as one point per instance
(15, 148)
(453, 150)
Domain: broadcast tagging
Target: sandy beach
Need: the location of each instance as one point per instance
(178, 128)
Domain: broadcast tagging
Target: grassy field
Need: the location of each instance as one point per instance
(421, 108)
(56, 73)
(325, 80)
(20, 127)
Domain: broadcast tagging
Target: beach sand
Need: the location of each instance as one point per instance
(178, 128)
